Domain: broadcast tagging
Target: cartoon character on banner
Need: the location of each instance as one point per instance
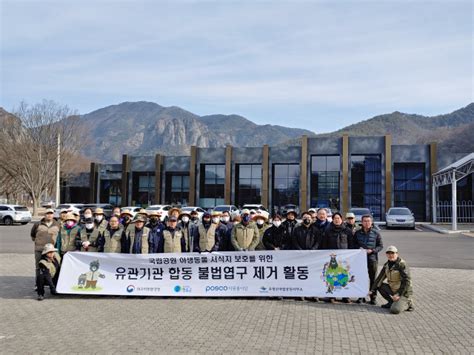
(90, 278)
(336, 274)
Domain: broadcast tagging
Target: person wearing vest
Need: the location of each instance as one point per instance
(62, 215)
(156, 231)
(70, 231)
(398, 289)
(48, 273)
(135, 239)
(289, 224)
(262, 226)
(125, 218)
(209, 233)
(44, 232)
(111, 239)
(173, 237)
(195, 217)
(369, 239)
(174, 211)
(99, 220)
(245, 235)
(190, 232)
(89, 237)
(225, 243)
(275, 237)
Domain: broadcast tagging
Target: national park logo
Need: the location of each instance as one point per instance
(336, 274)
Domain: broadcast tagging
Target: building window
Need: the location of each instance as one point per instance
(286, 187)
(409, 188)
(366, 183)
(248, 187)
(212, 183)
(111, 192)
(143, 188)
(177, 188)
(325, 175)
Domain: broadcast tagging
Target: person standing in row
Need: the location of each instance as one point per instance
(290, 224)
(225, 242)
(135, 238)
(112, 237)
(156, 231)
(173, 237)
(306, 236)
(245, 234)
(69, 233)
(262, 226)
(276, 236)
(190, 231)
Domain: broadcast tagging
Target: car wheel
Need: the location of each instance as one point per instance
(8, 221)
(23, 223)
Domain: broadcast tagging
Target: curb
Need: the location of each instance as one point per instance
(443, 230)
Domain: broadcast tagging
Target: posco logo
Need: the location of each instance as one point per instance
(216, 288)
(130, 288)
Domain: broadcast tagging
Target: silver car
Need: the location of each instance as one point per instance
(400, 217)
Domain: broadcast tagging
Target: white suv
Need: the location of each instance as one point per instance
(10, 214)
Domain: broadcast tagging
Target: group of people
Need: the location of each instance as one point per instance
(184, 232)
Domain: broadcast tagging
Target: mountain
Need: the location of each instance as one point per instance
(146, 128)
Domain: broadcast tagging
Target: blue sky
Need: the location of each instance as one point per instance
(314, 65)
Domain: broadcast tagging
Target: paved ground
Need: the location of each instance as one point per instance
(442, 322)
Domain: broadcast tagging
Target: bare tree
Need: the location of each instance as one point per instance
(28, 146)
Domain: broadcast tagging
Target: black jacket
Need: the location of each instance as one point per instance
(338, 237)
(306, 238)
(290, 228)
(276, 237)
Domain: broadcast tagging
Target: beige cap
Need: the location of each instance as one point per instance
(392, 249)
(245, 211)
(48, 248)
(99, 210)
(350, 215)
(49, 210)
(70, 217)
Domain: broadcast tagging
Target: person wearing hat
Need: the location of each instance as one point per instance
(209, 232)
(289, 224)
(398, 288)
(262, 225)
(276, 237)
(195, 217)
(225, 241)
(245, 235)
(48, 273)
(43, 232)
(77, 215)
(69, 232)
(62, 215)
(89, 237)
(100, 220)
(135, 239)
(314, 214)
(126, 218)
(190, 231)
(173, 211)
(369, 239)
(156, 231)
(350, 222)
(173, 237)
(111, 239)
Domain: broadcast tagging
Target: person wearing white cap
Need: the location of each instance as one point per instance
(44, 232)
(62, 214)
(350, 222)
(398, 289)
(48, 273)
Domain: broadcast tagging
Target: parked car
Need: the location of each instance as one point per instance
(10, 214)
(400, 217)
(189, 209)
(160, 208)
(108, 208)
(359, 212)
(233, 211)
(133, 210)
(259, 208)
(290, 207)
(71, 207)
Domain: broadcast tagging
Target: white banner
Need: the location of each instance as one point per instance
(321, 273)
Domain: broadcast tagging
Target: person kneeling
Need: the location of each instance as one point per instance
(48, 270)
(398, 290)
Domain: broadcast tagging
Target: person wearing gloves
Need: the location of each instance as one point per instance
(69, 232)
(276, 236)
(135, 240)
(262, 226)
(48, 273)
(190, 231)
(89, 237)
(398, 289)
(245, 235)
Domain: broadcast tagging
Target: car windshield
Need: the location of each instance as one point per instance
(187, 209)
(62, 206)
(399, 212)
(21, 208)
(360, 211)
(222, 208)
(153, 208)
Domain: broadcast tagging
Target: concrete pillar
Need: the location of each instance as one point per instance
(388, 172)
(454, 213)
(345, 174)
(228, 175)
(192, 176)
(304, 174)
(158, 162)
(125, 179)
(265, 176)
(433, 169)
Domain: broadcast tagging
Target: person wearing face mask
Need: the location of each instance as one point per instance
(262, 226)
(289, 224)
(225, 243)
(276, 236)
(245, 235)
(125, 218)
(190, 231)
(305, 236)
(322, 220)
(156, 231)
(209, 233)
(86, 214)
(173, 238)
(88, 238)
(66, 240)
(135, 240)
(111, 241)
(99, 220)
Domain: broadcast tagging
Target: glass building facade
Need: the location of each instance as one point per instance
(286, 187)
(325, 181)
(176, 188)
(409, 188)
(248, 184)
(212, 185)
(366, 183)
(143, 188)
